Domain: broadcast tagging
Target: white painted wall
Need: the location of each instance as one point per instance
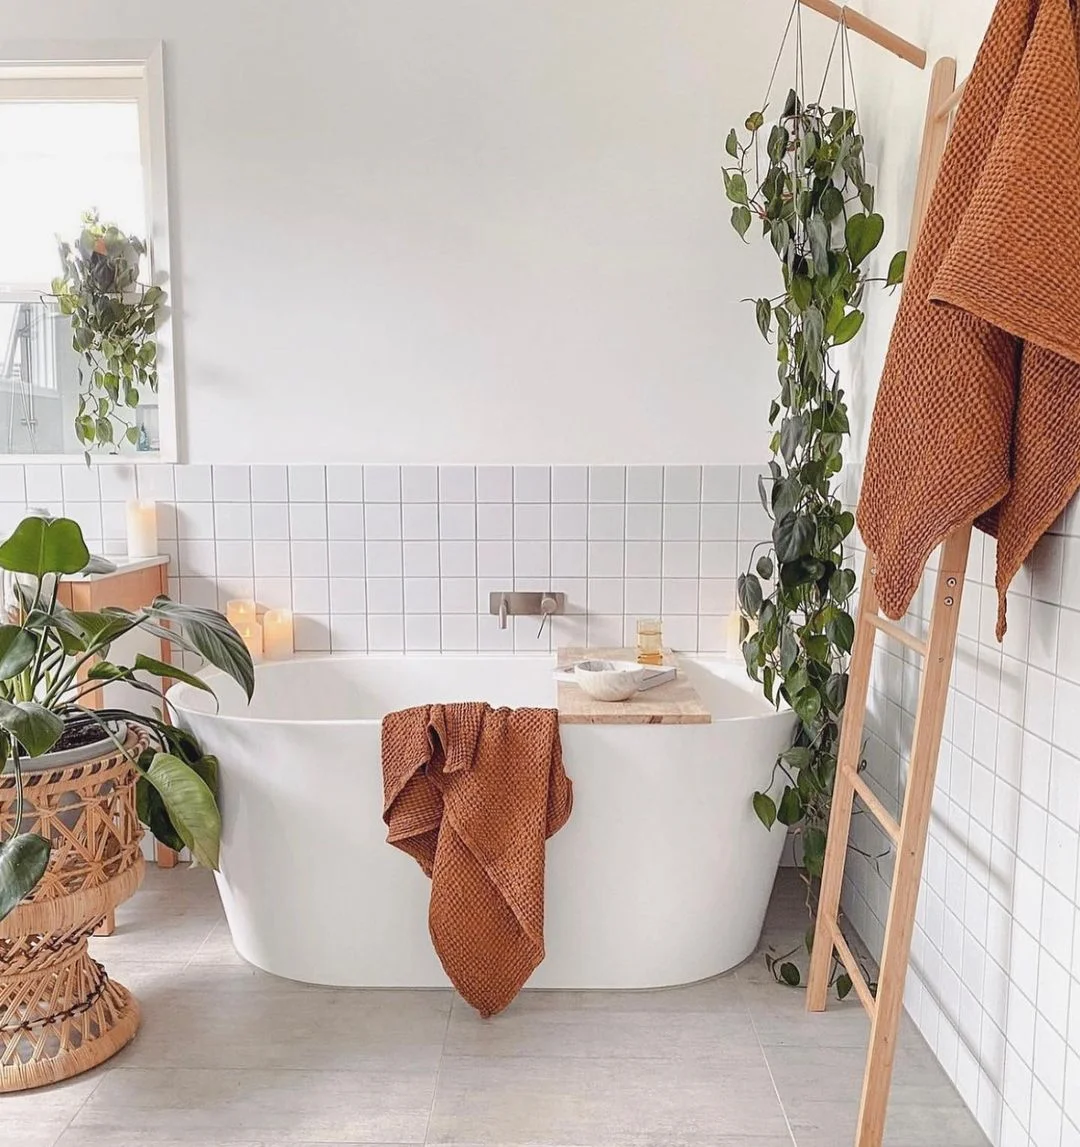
(456, 230)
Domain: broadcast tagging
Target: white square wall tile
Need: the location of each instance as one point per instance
(532, 522)
(193, 484)
(719, 559)
(720, 484)
(198, 558)
(348, 595)
(269, 520)
(311, 633)
(348, 633)
(154, 481)
(13, 482)
(682, 484)
(681, 633)
(532, 559)
(569, 559)
(606, 559)
(570, 484)
(269, 483)
(532, 484)
(419, 483)
(382, 521)
(459, 632)
(607, 484)
(272, 559)
(231, 484)
(495, 559)
(680, 595)
(80, 483)
(605, 595)
(311, 594)
(423, 632)
(44, 485)
(682, 522)
(570, 521)
(457, 521)
(307, 520)
(681, 559)
(419, 521)
(345, 521)
(643, 559)
(495, 521)
(307, 483)
(719, 522)
(645, 483)
(345, 483)
(273, 592)
(232, 520)
(349, 558)
(420, 559)
(457, 558)
(494, 483)
(309, 559)
(117, 481)
(457, 484)
(386, 633)
(382, 483)
(642, 596)
(458, 595)
(234, 559)
(421, 595)
(385, 595)
(194, 520)
(644, 521)
(607, 523)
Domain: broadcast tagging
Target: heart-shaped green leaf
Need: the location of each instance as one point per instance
(36, 728)
(23, 861)
(765, 808)
(863, 233)
(17, 649)
(42, 547)
(190, 805)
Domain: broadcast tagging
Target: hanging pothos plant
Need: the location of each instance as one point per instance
(816, 209)
(113, 325)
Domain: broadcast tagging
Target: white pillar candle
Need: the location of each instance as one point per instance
(142, 539)
(252, 636)
(277, 634)
(241, 612)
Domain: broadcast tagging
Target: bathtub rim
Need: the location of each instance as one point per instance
(178, 693)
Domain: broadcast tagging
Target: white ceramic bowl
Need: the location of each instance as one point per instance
(609, 680)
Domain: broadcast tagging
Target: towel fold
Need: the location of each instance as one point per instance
(978, 413)
(472, 794)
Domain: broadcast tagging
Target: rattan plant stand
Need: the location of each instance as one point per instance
(60, 1013)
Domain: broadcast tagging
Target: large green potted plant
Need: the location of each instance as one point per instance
(803, 180)
(76, 784)
(114, 320)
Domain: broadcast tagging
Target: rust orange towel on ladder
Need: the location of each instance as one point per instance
(978, 414)
(472, 794)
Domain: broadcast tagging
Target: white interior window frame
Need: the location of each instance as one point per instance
(57, 69)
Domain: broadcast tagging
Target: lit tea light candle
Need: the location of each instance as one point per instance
(241, 612)
(252, 636)
(142, 535)
(277, 634)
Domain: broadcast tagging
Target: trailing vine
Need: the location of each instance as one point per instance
(113, 322)
(816, 208)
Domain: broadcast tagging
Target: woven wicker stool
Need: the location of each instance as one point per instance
(60, 1014)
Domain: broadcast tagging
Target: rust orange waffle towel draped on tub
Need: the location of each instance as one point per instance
(978, 415)
(472, 794)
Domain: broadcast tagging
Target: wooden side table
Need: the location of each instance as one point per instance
(133, 584)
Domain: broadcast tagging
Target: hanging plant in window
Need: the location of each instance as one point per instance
(802, 181)
(113, 323)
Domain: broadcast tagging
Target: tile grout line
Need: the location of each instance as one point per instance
(438, 1066)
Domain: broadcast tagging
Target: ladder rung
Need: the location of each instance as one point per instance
(890, 629)
(858, 980)
(881, 813)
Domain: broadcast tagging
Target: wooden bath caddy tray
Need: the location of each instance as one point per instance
(676, 703)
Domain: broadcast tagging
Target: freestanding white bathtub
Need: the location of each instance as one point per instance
(661, 877)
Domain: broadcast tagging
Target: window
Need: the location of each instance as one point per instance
(74, 137)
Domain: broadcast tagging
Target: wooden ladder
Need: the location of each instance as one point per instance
(909, 834)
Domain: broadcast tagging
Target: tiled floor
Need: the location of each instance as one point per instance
(229, 1055)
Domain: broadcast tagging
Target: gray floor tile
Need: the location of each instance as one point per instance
(600, 1102)
(225, 1107)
